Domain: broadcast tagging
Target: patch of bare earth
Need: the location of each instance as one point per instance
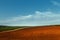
(33, 33)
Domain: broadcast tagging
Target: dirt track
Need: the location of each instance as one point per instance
(34, 33)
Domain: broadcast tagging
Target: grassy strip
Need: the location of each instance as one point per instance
(5, 28)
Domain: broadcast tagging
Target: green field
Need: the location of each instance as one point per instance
(5, 28)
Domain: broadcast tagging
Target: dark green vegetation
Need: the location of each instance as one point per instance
(5, 28)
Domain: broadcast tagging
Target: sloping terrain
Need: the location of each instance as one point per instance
(33, 33)
(6, 28)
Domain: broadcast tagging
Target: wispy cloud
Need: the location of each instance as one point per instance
(13, 19)
(39, 18)
(55, 3)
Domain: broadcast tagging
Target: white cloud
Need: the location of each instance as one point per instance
(13, 19)
(39, 18)
(56, 3)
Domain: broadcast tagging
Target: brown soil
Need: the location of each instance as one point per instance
(33, 33)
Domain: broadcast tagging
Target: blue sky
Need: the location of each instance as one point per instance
(29, 12)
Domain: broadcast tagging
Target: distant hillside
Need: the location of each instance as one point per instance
(5, 28)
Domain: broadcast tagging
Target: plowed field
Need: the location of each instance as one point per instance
(33, 33)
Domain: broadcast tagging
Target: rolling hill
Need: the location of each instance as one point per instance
(33, 33)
